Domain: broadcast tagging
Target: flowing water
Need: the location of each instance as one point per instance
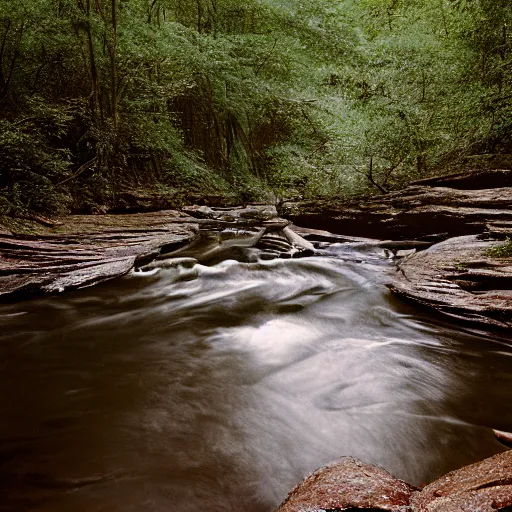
(218, 388)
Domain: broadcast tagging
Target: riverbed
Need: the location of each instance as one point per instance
(219, 387)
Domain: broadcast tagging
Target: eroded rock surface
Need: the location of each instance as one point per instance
(87, 249)
(468, 212)
(83, 250)
(420, 212)
(482, 487)
(460, 279)
(349, 484)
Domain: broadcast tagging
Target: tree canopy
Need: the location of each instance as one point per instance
(241, 100)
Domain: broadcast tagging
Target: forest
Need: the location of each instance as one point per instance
(228, 101)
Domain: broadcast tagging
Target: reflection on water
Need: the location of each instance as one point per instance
(220, 387)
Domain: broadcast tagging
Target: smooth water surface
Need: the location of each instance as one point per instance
(219, 388)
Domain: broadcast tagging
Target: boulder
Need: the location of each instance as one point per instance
(482, 487)
(348, 484)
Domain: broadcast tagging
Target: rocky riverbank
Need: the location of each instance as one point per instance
(460, 278)
(422, 212)
(83, 250)
(449, 223)
(463, 274)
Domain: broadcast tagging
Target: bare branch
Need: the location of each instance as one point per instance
(80, 170)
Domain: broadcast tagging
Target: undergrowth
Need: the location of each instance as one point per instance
(503, 250)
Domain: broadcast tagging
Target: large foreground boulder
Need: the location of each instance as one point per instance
(349, 484)
(482, 487)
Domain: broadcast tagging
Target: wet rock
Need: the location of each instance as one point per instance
(297, 241)
(254, 213)
(245, 243)
(170, 263)
(503, 437)
(349, 484)
(87, 275)
(320, 235)
(202, 212)
(418, 212)
(460, 279)
(85, 250)
(259, 212)
(276, 241)
(482, 487)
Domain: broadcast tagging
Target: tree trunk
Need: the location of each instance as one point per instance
(96, 109)
(113, 65)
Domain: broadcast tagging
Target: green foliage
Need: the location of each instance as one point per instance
(238, 99)
(29, 164)
(503, 250)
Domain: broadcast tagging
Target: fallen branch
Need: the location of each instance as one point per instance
(80, 170)
(45, 221)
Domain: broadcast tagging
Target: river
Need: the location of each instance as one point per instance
(219, 388)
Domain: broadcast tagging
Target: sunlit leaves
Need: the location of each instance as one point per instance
(296, 95)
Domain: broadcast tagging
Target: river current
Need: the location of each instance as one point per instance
(219, 388)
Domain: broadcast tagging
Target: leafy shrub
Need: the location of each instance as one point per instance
(503, 250)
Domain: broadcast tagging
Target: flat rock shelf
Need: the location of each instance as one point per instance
(83, 250)
(460, 279)
(455, 222)
(87, 249)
